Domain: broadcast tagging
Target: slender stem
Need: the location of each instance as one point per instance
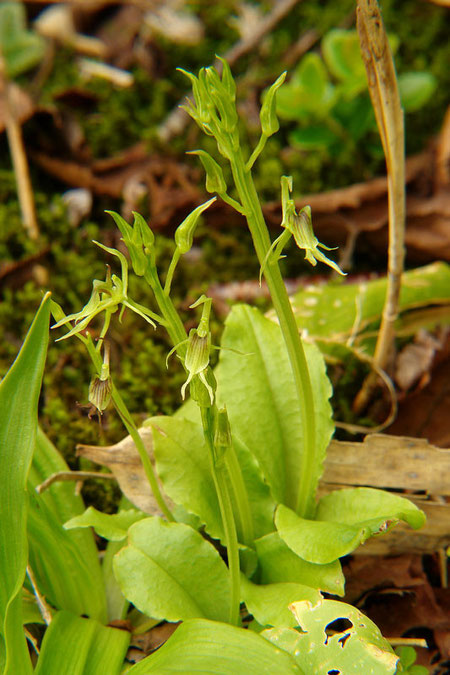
(304, 501)
(226, 512)
(178, 336)
(244, 514)
(171, 270)
(256, 152)
(132, 430)
(173, 325)
(232, 202)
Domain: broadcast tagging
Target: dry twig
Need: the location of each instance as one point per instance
(385, 97)
(18, 156)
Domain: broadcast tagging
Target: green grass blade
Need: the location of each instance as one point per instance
(19, 395)
(65, 564)
(78, 646)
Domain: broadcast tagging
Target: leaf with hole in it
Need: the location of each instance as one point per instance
(21, 49)
(198, 647)
(113, 527)
(344, 520)
(278, 563)
(416, 89)
(320, 649)
(258, 389)
(19, 395)
(269, 603)
(168, 571)
(81, 647)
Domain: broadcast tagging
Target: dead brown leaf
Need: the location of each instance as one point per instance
(124, 462)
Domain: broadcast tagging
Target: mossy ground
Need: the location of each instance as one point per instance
(124, 117)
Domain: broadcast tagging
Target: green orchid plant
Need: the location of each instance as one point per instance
(239, 462)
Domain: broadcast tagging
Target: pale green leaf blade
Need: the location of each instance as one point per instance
(269, 603)
(165, 583)
(344, 520)
(278, 563)
(336, 311)
(78, 646)
(198, 647)
(368, 508)
(19, 394)
(113, 527)
(359, 648)
(315, 541)
(183, 466)
(261, 399)
(65, 564)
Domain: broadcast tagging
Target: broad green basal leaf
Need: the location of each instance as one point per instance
(198, 647)
(113, 527)
(19, 394)
(183, 466)
(258, 389)
(168, 571)
(269, 603)
(352, 651)
(278, 563)
(368, 507)
(345, 519)
(76, 646)
(182, 461)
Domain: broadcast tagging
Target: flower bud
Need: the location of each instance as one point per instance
(101, 386)
(184, 234)
(268, 114)
(215, 182)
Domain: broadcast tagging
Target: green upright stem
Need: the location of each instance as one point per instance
(258, 228)
(244, 514)
(177, 334)
(226, 512)
(132, 430)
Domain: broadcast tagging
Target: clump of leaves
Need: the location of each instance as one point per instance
(327, 95)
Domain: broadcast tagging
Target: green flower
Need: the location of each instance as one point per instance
(298, 225)
(196, 359)
(107, 296)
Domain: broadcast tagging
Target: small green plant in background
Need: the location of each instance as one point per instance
(327, 95)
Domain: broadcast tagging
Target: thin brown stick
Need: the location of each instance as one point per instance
(42, 604)
(407, 642)
(18, 156)
(385, 97)
(71, 475)
(176, 121)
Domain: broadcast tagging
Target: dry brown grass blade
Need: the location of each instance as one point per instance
(18, 156)
(385, 97)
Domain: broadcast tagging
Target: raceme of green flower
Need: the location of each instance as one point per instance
(107, 296)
